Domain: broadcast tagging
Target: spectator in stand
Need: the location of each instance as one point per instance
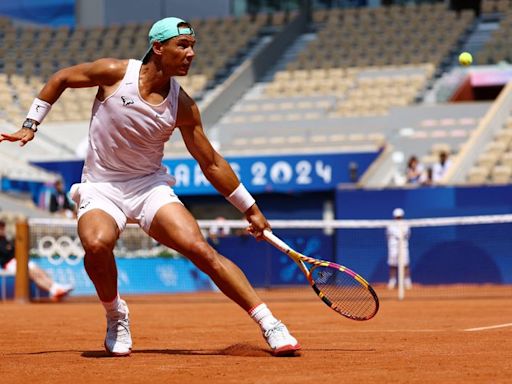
(440, 168)
(37, 275)
(428, 176)
(415, 172)
(60, 202)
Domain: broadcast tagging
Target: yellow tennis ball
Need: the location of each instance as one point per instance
(465, 58)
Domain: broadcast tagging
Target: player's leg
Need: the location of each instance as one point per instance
(40, 278)
(56, 290)
(175, 227)
(98, 232)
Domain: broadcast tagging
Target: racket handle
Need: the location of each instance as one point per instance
(276, 241)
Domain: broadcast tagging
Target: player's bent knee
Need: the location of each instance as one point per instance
(97, 245)
(199, 249)
(204, 256)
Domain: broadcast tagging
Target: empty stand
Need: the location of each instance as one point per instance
(384, 36)
(28, 56)
(494, 164)
(498, 47)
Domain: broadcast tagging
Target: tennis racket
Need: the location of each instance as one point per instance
(341, 289)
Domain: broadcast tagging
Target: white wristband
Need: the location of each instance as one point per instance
(241, 198)
(38, 110)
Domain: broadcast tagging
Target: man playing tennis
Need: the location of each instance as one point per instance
(137, 107)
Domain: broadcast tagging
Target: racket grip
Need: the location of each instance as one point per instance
(276, 241)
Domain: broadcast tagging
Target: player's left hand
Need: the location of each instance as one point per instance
(23, 135)
(258, 222)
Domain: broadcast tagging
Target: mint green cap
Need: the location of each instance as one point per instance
(166, 29)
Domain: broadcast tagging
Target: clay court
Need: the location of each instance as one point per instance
(204, 338)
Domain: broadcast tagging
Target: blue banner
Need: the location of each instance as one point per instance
(135, 276)
(285, 174)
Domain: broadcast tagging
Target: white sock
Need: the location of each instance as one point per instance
(113, 305)
(54, 288)
(262, 315)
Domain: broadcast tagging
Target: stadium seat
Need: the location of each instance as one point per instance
(501, 174)
(487, 159)
(497, 147)
(477, 175)
(506, 159)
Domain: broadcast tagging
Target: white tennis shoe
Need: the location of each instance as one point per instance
(118, 341)
(60, 291)
(280, 340)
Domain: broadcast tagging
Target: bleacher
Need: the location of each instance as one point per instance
(494, 164)
(380, 36)
(356, 85)
(29, 55)
(350, 89)
(498, 47)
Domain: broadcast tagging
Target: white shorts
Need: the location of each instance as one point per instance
(393, 259)
(10, 267)
(135, 201)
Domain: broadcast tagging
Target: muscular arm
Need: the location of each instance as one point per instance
(214, 166)
(104, 73)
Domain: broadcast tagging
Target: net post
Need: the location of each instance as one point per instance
(401, 266)
(21, 253)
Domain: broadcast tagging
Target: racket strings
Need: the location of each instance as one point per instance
(344, 293)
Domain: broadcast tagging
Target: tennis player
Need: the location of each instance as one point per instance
(137, 107)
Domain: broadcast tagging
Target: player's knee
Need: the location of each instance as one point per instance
(204, 256)
(98, 245)
(200, 250)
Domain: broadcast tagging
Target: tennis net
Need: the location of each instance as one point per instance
(467, 256)
(449, 257)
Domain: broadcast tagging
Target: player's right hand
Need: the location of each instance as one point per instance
(258, 222)
(23, 135)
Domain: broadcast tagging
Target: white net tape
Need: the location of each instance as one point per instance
(322, 224)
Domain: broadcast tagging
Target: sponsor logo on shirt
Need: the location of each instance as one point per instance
(84, 205)
(127, 101)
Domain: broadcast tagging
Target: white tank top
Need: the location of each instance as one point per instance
(127, 134)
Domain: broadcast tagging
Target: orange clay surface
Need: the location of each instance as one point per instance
(204, 338)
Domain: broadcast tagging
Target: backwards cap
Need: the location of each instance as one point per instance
(166, 29)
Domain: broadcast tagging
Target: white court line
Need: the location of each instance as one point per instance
(488, 327)
(373, 330)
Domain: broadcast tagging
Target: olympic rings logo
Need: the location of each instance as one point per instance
(63, 249)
